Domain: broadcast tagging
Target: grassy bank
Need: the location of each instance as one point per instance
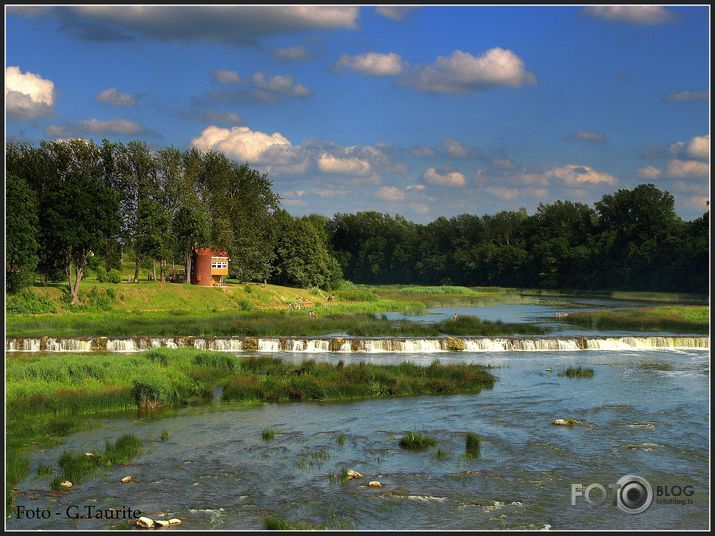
(251, 323)
(50, 398)
(682, 318)
(628, 295)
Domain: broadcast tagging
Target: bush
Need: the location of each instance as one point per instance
(114, 277)
(101, 273)
(27, 302)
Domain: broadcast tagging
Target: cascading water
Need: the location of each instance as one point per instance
(354, 345)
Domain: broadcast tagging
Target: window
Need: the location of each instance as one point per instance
(219, 265)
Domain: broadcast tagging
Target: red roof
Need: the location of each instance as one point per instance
(212, 252)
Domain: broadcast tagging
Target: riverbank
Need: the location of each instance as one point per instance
(47, 399)
(684, 319)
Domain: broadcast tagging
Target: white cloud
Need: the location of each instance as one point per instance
(461, 72)
(115, 97)
(455, 148)
(27, 95)
(241, 143)
(394, 12)
(586, 135)
(372, 63)
(280, 84)
(684, 169)
(227, 77)
(291, 54)
(632, 14)
(120, 127)
(415, 187)
(390, 193)
(579, 175)
(451, 178)
(422, 151)
(649, 173)
(503, 163)
(508, 194)
(688, 96)
(328, 163)
(698, 148)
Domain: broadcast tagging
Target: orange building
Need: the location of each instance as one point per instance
(209, 266)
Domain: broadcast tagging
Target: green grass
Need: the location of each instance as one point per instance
(44, 470)
(340, 440)
(165, 435)
(278, 522)
(268, 434)
(675, 318)
(578, 372)
(77, 466)
(49, 398)
(252, 323)
(415, 441)
(473, 445)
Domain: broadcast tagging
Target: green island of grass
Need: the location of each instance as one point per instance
(681, 318)
(47, 399)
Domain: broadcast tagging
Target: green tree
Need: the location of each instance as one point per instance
(191, 227)
(21, 230)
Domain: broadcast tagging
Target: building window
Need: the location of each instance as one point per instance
(219, 265)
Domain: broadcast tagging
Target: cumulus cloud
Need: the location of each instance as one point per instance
(631, 14)
(422, 151)
(461, 72)
(227, 77)
(394, 12)
(328, 163)
(233, 25)
(698, 148)
(688, 96)
(372, 63)
(580, 175)
(687, 169)
(649, 173)
(415, 187)
(390, 193)
(586, 135)
(279, 84)
(450, 178)
(27, 95)
(291, 54)
(456, 148)
(115, 97)
(241, 143)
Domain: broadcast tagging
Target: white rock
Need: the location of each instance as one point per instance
(66, 484)
(174, 521)
(564, 422)
(353, 474)
(127, 479)
(145, 523)
(162, 522)
(374, 484)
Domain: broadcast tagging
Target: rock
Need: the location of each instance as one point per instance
(66, 484)
(89, 454)
(374, 484)
(174, 521)
(145, 523)
(548, 370)
(353, 474)
(565, 422)
(632, 447)
(455, 345)
(162, 523)
(127, 479)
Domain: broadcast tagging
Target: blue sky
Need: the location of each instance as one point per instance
(426, 112)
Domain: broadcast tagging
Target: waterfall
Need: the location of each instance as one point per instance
(355, 345)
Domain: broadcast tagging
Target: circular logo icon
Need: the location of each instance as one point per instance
(634, 494)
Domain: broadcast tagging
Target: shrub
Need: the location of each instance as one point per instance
(27, 302)
(473, 445)
(114, 277)
(101, 273)
(415, 441)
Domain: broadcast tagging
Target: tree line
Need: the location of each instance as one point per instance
(74, 205)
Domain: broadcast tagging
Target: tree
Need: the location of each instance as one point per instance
(191, 229)
(302, 258)
(82, 213)
(153, 234)
(21, 230)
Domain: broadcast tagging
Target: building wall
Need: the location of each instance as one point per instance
(201, 269)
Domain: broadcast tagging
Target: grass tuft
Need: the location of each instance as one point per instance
(415, 441)
(473, 445)
(578, 372)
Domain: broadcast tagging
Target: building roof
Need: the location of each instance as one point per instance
(212, 251)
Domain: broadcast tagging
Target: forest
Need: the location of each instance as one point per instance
(76, 205)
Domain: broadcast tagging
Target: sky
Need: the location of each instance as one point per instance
(421, 111)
